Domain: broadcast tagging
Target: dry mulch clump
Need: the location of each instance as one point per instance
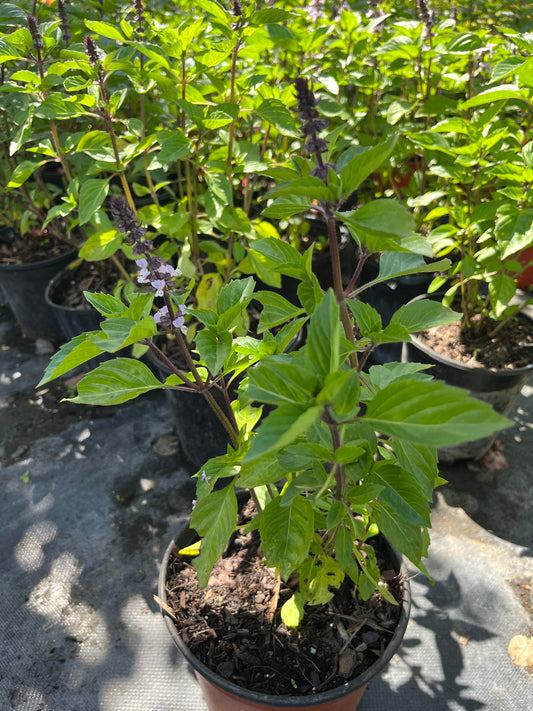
(234, 627)
(510, 347)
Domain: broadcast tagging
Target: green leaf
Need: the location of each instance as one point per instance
(106, 304)
(431, 413)
(502, 288)
(268, 16)
(101, 245)
(214, 518)
(267, 471)
(323, 336)
(400, 490)
(287, 207)
(282, 427)
(384, 225)
(278, 379)
(310, 187)
(276, 310)
(174, 146)
(77, 351)
(119, 332)
(335, 515)
(93, 192)
(496, 93)
(105, 30)
(286, 533)
(422, 314)
(22, 172)
(280, 256)
(341, 391)
(115, 382)
(292, 611)
(367, 318)
(220, 187)
(214, 348)
(275, 112)
(364, 164)
(215, 9)
(408, 538)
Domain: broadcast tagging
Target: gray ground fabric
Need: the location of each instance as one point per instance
(85, 514)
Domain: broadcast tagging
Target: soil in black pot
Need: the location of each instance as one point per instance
(234, 626)
(510, 347)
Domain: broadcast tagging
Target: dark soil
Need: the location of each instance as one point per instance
(95, 277)
(509, 348)
(234, 627)
(15, 249)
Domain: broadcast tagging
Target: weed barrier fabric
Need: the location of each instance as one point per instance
(88, 505)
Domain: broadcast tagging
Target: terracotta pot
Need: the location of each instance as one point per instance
(222, 695)
(499, 388)
(525, 279)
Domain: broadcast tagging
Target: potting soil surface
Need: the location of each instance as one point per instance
(91, 497)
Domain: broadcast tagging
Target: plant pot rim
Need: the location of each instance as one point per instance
(444, 360)
(28, 266)
(272, 700)
(53, 281)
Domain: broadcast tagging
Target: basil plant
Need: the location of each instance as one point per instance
(339, 453)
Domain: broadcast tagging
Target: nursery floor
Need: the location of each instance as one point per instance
(90, 498)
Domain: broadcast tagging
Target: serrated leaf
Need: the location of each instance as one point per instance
(214, 518)
(360, 167)
(287, 207)
(286, 533)
(282, 427)
(277, 380)
(119, 332)
(384, 225)
(422, 314)
(214, 348)
(105, 30)
(93, 192)
(106, 304)
(101, 245)
(502, 288)
(406, 537)
(323, 335)
(76, 352)
(276, 310)
(400, 490)
(432, 413)
(496, 93)
(275, 112)
(367, 318)
(174, 146)
(115, 382)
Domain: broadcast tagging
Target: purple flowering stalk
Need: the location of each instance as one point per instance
(159, 277)
(312, 125)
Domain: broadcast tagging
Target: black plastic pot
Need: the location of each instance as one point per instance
(387, 298)
(72, 321)
(200, 432)
(24, 286)
(223, 695)
(499, 388)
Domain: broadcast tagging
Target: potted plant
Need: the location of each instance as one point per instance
(478, 161)
(340, 456)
